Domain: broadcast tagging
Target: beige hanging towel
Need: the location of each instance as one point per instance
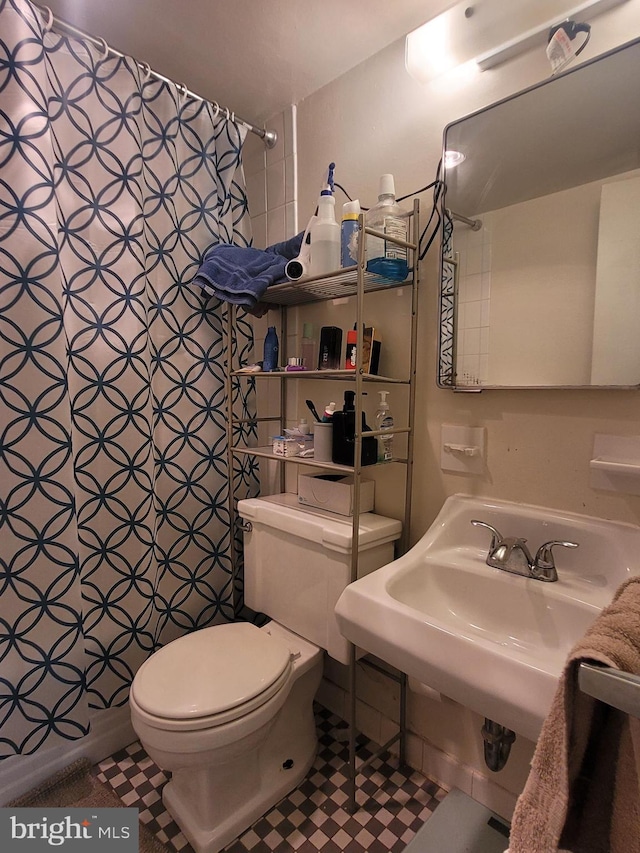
(582, 793)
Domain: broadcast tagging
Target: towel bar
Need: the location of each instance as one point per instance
(619, 689)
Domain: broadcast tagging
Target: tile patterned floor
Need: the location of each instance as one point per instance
(395, 800)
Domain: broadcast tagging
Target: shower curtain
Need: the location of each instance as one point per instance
(114, 525)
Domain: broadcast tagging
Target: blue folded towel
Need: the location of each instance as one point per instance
(241, 274)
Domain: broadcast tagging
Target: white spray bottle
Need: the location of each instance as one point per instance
(325, 232)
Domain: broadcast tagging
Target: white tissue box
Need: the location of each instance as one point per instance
(334, 492)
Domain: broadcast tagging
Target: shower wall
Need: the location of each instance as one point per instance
(271, 176)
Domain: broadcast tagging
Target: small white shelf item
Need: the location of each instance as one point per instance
(616, 463)
(462, 449)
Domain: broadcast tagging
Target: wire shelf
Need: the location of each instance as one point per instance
(332, 286)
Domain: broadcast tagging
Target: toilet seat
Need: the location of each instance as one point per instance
(211, 677)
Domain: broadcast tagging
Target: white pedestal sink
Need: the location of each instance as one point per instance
(493, 641)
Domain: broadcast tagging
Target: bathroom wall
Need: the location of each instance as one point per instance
(373, 120)
(377, 119)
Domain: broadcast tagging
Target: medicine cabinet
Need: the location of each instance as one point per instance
(540, 259)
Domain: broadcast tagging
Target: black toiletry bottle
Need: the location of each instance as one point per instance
(344, 435)
(330, 350)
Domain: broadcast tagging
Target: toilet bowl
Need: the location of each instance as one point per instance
(228, 710)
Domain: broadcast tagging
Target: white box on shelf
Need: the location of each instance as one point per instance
(283, 446)
(334, 492)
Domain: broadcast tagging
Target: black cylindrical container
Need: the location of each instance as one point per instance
(344, 436)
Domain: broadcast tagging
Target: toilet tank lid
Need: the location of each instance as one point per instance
(210, 671)
(333, 531)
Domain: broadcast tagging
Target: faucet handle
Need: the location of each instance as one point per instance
(496, 536)
(544, 568)
(544, 554)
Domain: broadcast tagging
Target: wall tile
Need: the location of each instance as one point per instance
(378, 690)
(492, 796)
(256, 193)
(368, 721)
(276, 231)
(253, 155)
(332, 698)
(290, 178)
(291, 219)
(290, 130)
(259, 230)
(276, 185)
(445, 770)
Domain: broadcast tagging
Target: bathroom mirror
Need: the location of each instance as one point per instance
(540, 259)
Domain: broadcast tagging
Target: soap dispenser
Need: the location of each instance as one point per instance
(384, 421)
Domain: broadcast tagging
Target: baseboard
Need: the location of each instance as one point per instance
(111, 730)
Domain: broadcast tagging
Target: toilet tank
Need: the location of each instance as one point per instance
(297, 562)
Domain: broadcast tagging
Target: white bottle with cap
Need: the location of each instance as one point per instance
(325, 237)
(349, 233)
(387, 217)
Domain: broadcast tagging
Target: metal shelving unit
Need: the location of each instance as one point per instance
(352, 281)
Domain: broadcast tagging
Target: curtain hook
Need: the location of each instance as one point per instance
(49, 24)
(233, 116)
(105, 47)
(227, 109)
(217, 106)
(182, 91)
(147, 70)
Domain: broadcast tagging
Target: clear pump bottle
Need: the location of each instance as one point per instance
(309, 347)
(384, 257)
(384, 420)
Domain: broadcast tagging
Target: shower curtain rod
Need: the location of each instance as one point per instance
(269, 137)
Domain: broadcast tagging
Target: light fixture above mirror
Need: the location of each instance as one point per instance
(475, 36)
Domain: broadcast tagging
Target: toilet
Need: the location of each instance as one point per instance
(228, 710)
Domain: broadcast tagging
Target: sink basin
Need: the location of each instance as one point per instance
(493, 641)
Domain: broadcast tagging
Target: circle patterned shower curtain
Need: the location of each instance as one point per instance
(114, 527)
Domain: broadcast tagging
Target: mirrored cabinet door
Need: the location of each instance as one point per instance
(540, 261)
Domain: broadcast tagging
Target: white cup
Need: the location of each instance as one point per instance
(322, 441)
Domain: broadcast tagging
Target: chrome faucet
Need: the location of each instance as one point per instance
(510, 554)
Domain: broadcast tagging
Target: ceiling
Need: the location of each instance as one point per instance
(254, 56)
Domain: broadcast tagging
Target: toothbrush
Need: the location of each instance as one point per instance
(313, 410)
